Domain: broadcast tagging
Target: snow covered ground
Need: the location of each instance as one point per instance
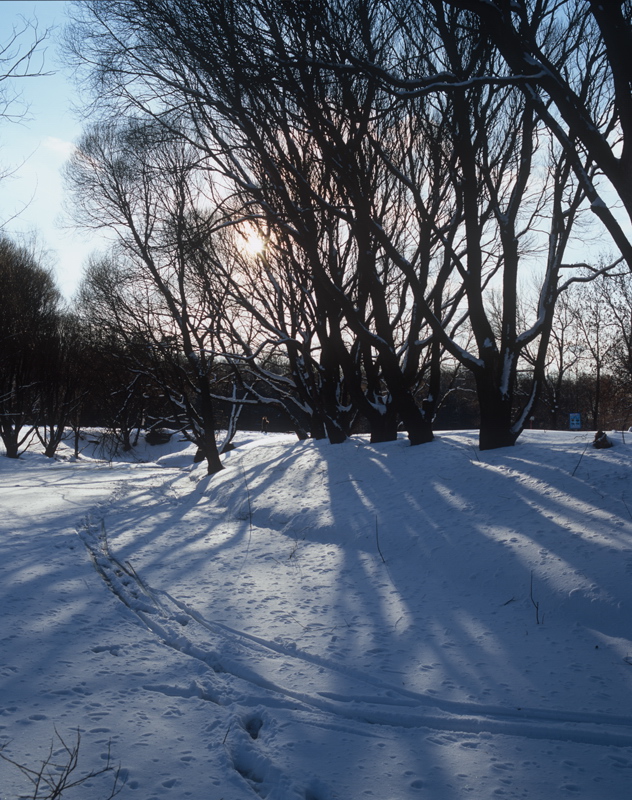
(323, 622)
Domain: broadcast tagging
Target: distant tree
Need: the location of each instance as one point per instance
(29, 314)
(116, 397)
(563, 356)
(140, 183)
(614, 294)
(595, 343)
(61, 388)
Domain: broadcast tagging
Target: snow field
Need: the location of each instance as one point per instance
(324, 622)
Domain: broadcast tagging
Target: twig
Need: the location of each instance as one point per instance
(377, 541)
(54, 778)
(580, 459)
(227, 732)
(536, 605)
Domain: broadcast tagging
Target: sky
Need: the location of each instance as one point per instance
(36, 148)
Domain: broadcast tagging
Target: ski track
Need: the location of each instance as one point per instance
(235, 651)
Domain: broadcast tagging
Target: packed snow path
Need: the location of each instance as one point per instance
(324, 622)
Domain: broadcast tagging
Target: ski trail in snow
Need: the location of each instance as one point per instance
(408, 698)
(362, 698)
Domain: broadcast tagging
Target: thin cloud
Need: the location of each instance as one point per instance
(60, 146)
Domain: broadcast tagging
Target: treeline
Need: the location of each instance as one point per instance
(353, 211)
(64, 370)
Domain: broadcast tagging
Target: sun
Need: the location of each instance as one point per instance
(253, 244)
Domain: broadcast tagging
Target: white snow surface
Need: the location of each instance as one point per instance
(323, 622)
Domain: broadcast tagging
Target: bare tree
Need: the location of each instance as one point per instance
(520, 185)
(571, 59)
(61, 387)
(617, 295)
(278, 314)
(406, 127)
(563, 355)
(297, 142)
(17, 61)
(21, 56)
(140, 185)
(58, 773)
(28, 319)
(513, 196)
(604, 320)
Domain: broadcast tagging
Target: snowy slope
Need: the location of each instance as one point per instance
(324, 622)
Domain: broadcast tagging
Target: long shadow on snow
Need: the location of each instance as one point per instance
(437, 542)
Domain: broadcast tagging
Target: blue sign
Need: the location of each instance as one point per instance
(575, 422)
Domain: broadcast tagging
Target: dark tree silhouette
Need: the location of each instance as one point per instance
(28, 319)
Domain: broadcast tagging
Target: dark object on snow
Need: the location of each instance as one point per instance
(601, 441)
(157, 436)
(265, 424)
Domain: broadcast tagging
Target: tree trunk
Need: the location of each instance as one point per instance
(494, 434)
(126, 437)
(383, 426)
(419, 428)
(207, 443)
(335, 434)
(317, 427)
(10, 435)
(11, 448)
(495, 408)
(417, 424)
(51, 448)
(335, 423)
(208, 449)
(496, 412)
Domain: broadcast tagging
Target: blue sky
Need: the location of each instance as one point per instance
(37, 148)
